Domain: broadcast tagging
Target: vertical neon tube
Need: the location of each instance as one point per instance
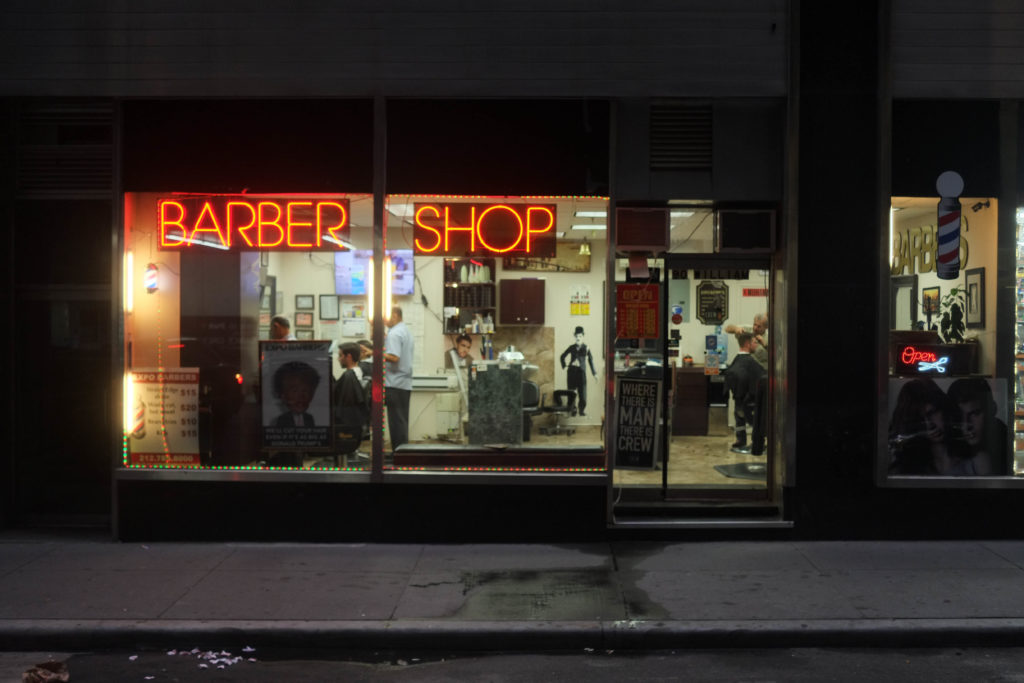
(389, 273)
(129, 270)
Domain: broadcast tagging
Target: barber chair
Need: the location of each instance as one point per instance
(564, 405)
(531, 406)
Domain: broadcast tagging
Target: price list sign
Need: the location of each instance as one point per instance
(163, 428)
(636, 311)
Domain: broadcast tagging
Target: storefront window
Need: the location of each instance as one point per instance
(503, 299)
(948, 410)
(235, 310)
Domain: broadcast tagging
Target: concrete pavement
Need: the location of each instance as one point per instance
(67, 593)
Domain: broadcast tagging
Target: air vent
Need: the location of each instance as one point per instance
(680, 136)
(65, 149)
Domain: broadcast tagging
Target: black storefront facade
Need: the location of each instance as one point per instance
(823, 159)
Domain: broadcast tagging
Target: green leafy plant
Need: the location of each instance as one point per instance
(951, 324)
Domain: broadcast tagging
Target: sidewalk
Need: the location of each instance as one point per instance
(73, 594)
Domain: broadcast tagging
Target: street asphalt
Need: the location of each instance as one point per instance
(60, 592)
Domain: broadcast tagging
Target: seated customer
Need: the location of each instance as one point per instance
(741, 379)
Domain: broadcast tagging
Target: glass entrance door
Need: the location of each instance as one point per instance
(714, 359)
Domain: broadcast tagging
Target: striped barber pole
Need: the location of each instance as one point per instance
(947, 259)
(947, 256)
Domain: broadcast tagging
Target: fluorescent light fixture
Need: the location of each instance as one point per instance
(589, 226)
(591, 214)
(560, 234)
(340, 243)
(680, 214)
(128, 399)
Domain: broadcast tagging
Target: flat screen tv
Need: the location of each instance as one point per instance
(352, 269)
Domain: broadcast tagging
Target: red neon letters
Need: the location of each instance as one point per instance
(251, 223)
(467, 229)
(910, 355)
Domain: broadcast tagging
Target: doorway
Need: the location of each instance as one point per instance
(713, 454)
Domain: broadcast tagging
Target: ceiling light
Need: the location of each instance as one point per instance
(680, 214)
(591, 214)
(589, 226)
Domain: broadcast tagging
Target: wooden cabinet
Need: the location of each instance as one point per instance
(521, 302)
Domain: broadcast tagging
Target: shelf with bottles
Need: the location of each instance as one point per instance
(469, 283)
(460, 272)
(469, 320)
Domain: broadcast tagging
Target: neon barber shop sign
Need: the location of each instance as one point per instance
(253, 222)
(442, 229)
(924, 361)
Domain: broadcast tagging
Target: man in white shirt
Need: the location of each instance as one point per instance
(398, 352)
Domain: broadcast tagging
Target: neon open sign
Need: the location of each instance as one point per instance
(484, 229)
(926, 361)
(247, 223)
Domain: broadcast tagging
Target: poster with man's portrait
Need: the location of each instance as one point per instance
(948, 426)
(295, 377)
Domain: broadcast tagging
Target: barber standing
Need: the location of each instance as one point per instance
(398, 352)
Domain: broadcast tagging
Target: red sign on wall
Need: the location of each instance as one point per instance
(636, 311)
(441, 229)
(252, 222)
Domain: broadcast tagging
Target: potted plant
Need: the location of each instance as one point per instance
(951, 324)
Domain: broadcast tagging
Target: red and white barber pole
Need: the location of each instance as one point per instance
(947, 258)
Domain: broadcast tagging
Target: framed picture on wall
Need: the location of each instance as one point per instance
(303, 335)
(974, 299)
(930, 300)
(304, 302)
(303, 319)
(328, 306)
(268, 295)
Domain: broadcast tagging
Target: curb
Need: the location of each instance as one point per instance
(505, 636)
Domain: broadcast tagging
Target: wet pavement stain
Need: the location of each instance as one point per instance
(579, 594)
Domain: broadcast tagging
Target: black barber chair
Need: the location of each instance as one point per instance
(531, 406)
(564, 405)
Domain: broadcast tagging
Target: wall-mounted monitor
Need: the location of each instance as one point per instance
(352, 271)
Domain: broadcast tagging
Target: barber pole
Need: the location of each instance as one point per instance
(947, 257)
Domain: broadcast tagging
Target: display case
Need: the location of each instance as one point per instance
(469, 298)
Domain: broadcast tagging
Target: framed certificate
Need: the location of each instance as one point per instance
(328, 306)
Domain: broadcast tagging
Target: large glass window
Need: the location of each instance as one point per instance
(235, 310)
(503, 300)
(949, 411)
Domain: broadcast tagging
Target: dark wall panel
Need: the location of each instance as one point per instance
(255, 145)
(498, 147)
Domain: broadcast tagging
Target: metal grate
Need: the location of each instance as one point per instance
(680, 136)
(65, 149)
